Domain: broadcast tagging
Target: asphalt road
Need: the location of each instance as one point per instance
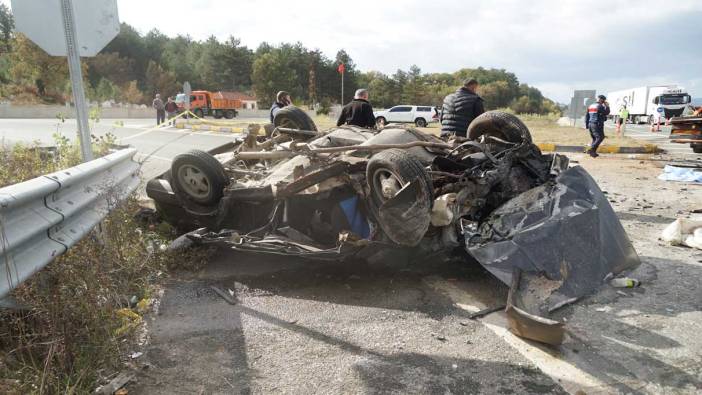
(156, 148)
(661, 139)
(304, 327)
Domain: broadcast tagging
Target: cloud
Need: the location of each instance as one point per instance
(554, 45)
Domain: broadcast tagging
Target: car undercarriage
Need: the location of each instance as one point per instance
(397, 194)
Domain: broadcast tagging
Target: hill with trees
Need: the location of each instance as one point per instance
(134, 66)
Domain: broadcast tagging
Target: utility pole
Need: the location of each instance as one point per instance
(76, 74)
(341, 69)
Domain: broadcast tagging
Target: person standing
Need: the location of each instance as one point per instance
(160, 109)
(171, 109)
(656, 122)
(594, 119)
(460, 109)
(282, 99)
(358, 112)
(621, 120)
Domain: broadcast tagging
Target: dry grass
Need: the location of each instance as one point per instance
(82, 312)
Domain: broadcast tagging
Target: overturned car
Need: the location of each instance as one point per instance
(538, 225)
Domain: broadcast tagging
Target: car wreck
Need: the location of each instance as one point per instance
(540, 226)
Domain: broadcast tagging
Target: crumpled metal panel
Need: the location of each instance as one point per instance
(565, 231)
(43, 217)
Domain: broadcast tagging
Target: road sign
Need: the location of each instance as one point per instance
(579, 102)
(96, 24)
(71, 28)
(187, 90)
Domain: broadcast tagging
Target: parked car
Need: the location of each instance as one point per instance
(400, 195)
(419, 115)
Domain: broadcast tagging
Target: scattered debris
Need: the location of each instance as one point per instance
(224, 295)
(115, 384)
(681, 174)
(624, 282)
(136, 354)
(684, 232)
(605, 309)
(486, 311)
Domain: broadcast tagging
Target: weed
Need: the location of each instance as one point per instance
(82, 305)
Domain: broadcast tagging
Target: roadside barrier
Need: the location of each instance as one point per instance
(603, 149)
(42, 218)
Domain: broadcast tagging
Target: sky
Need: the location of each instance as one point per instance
(557, 46)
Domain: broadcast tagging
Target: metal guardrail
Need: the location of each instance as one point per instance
(43, 217)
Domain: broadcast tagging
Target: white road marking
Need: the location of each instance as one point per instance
(567, 375)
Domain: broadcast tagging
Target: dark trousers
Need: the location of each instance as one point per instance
(597, 134)
(160, 116)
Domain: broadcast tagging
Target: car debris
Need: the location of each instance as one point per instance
(484, 312)
(540, 226)
(683, 231)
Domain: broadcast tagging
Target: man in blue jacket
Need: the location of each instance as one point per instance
(594, 120)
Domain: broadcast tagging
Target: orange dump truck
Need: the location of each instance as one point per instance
(216, 104)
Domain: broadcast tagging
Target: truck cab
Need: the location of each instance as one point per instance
(672, 102)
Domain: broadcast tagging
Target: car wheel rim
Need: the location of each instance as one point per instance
(386, 184)
(194, 181)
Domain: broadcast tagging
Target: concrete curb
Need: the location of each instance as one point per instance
(210, 128)
(604, 149)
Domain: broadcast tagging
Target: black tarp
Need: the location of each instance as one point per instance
(564, 232)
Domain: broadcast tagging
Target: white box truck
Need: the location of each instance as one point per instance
(643, 102)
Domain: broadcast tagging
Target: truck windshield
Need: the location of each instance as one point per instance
(673, 99)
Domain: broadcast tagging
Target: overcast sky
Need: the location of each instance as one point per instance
(554, 45)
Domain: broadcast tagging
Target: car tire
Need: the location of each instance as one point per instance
(420, 122)
(198, 177)
(501, 125)
(229, 114)
(294, 118)
(696, 148)
(198, 113)
(217, 114)
(381, 121)
(401, 165)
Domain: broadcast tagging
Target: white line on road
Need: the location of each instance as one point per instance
(567, 375)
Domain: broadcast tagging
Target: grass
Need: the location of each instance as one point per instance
(82, 313)
(543, 128)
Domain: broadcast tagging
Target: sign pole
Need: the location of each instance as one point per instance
(74, 69)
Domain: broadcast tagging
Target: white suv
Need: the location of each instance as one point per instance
(419, 115)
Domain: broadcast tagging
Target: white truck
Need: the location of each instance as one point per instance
(419, 115)
(643, 102)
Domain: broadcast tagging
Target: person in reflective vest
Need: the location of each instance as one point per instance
(621, 120)
(594, 120)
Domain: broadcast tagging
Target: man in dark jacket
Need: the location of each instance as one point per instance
(282, 99)
(594, 120)
(359, 112)
(460, 108)
(160, 108)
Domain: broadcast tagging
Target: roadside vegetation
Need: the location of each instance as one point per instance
(83, 312)
(133, 67)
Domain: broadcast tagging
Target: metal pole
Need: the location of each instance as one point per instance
(69, 29)
(342, 87)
